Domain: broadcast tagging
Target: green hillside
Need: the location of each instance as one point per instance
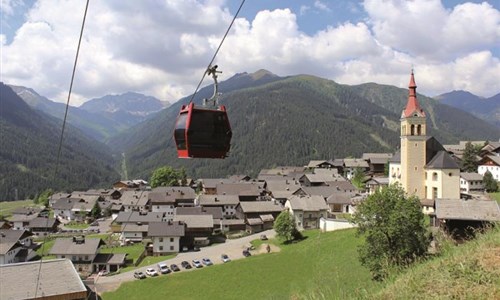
(289, 121)
(28, 154)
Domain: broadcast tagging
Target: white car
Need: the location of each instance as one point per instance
(207, 261)
(197, 263)
(151, 272)
(225, 258)
(164, 268)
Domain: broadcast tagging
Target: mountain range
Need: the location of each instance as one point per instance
(291, 120)
(487, 109)
(275, 121)
(99, 118)
(28, 155)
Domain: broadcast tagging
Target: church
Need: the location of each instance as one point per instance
(422, 166)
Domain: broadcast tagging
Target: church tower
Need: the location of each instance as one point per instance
(413, 139)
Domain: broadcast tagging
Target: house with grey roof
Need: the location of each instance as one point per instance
(182, 195)
(320, 164)
(377, 162)
(461, 217)
(281, 190)
(133, 200)
(133, 232)
(84, 254)
(16, 246)
(166, 237)
(42, 226)
(209, 185)
(77, 207)
(258, 215)
(227, 203)
(198, 229)
(49, 279)
(21, 221)
(307, 210)
(351, 164)
(490, 163)
(471, 182)
(248, 191)
(321, 177)
(376, 183)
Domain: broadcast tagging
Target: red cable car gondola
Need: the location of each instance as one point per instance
(203, 132)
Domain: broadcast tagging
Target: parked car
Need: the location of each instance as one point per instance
(207, 261)
(185, 249)
(174, 268)
(164, 268)
(197, 263)
(186, 265)
(151, 272)
(196, 248)
(139, 275)
(103, 273)
(263, 237)
(246, 253)
(225, 258)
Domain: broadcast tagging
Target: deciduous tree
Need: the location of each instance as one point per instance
(285, 228)
(167, 176)
(394, 230)
(490, 184)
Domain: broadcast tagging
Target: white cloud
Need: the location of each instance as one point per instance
(160, 49)
(321, 6)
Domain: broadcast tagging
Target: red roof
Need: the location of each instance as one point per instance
(412, 105)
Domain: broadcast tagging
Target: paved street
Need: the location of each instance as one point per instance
(233, 248)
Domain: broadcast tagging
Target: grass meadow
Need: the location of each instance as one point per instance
(321, 264)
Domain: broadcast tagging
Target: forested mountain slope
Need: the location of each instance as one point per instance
(289, 121)
(29, 143)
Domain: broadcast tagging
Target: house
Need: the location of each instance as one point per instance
(231, 225)
(423, 167)
(5, 225)
(460, 217)
(471, 182)
(166, 237)
(133, 232)
(248, 191)
(183, 195)
(258, 215)
(56, 196)
(16, 246)
(227, 203)
(376, 183)
(52, 279)
(320, 164)
(321, 177)
(132, 200)
(42, 226)
(341, 202)
(77, 207)
(209, 185)
(279, 173)
(84, 254)
(21, 221)
(162, 202)
(351, 164)
(377, 162)
(490, 163)
(135, 217)
(240, 177)
(281, 190)
(130, 184)
(307, 210)
(492, 148)
(198, 229)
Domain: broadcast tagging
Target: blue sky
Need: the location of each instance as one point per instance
(161, 48)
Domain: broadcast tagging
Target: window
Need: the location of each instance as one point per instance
(161, 240)
(171, 248)
(161, 248)
(435, 176)
(412, 129)
(172, 240)
(434, 192)
(419, 130)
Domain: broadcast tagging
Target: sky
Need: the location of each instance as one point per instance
(162, 47)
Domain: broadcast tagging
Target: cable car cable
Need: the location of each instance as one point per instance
(62, 136)
(216, 52)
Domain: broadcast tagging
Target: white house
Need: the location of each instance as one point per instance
(307, 210)
(12, 244)
(166, 236)
(471, 182)
(490, 163)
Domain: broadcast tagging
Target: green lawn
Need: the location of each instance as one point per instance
(7, 207)
(495, 196)
(133, 251)
(324, 263)
(77, 225)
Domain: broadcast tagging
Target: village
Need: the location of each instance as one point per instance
(132, 227)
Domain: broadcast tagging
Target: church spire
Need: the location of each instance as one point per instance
(412, 106)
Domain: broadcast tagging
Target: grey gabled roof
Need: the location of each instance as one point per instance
(196, 221)
(308, 203)
(442, 160)
(396, 158)
(216, 200)
(42, 222)
(135, 216)
(9, 235)
(471, 176)
(166, 229)
(66, 246)
(493, 158)
(52, 277)
(468, 210)
(260, 207)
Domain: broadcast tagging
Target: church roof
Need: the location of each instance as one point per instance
(442, 160)
(412, 106)
(432, 147)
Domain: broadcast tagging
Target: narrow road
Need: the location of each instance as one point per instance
(233, 248)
